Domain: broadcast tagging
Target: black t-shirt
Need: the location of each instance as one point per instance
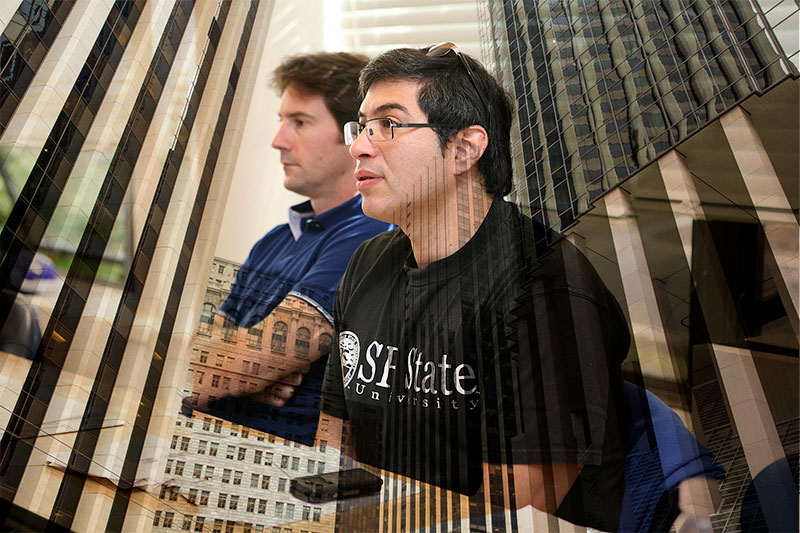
(506, 351)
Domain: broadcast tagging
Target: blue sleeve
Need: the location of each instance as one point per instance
(244, 304)
(318, 286)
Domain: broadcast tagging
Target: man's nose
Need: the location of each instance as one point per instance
(362, 146)
(281, 140)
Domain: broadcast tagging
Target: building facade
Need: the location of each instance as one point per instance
(661, 137)
(229, 477)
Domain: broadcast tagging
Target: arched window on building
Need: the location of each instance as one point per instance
(254, 335)
(229, 330)
(302, 342)
(206, 319)
(278, 343)
(324, 344)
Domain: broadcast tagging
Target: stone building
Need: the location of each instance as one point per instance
(229, 477)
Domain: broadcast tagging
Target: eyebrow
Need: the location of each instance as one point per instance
(386, 107)
(297, 114)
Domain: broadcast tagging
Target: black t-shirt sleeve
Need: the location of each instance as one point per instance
(332, 399)
(573, 338)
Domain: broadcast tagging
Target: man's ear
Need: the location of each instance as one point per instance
(470, 143)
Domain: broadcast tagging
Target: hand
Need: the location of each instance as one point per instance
(694, 501)
(693, 524)
(275, 394)
(280, 392)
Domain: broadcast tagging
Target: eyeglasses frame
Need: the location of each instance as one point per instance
(392, 125)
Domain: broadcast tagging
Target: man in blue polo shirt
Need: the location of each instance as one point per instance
(298, 265)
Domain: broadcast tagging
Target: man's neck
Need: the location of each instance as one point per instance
(340, 188)
(326, 203)
(438, 231)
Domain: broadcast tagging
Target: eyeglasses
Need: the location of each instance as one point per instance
(441, 50)
(378, 129)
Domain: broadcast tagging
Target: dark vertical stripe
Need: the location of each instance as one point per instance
(23, 45)
(136, 444)
(33, 210)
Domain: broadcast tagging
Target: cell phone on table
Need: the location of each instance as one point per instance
(334, 486)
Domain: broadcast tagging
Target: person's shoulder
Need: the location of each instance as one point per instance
(517, 239)
(378, 254)
(364, 224)
(385, 245)
(349, 220)
(352, 234)
(382, 243)
(512, 218)
(270, 242)
(279, 231)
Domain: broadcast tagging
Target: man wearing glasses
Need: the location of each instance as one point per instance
(472, 348)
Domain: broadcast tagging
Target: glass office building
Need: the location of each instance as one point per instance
(604, 88)
(661, 137)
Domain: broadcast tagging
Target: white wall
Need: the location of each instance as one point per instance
(257, 200)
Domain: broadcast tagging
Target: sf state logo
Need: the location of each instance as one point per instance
(349, 349)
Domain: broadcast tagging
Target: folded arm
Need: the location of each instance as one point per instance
(265, 368)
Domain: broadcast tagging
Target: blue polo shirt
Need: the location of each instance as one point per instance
(304, 258)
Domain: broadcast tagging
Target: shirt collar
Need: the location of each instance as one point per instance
(297, 216)
(487, 238)
(301, 216)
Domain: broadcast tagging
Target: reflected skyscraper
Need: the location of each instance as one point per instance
(604, 88)
(661, 137)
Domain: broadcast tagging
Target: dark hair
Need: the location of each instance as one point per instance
(332, 75)
(449, 98)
